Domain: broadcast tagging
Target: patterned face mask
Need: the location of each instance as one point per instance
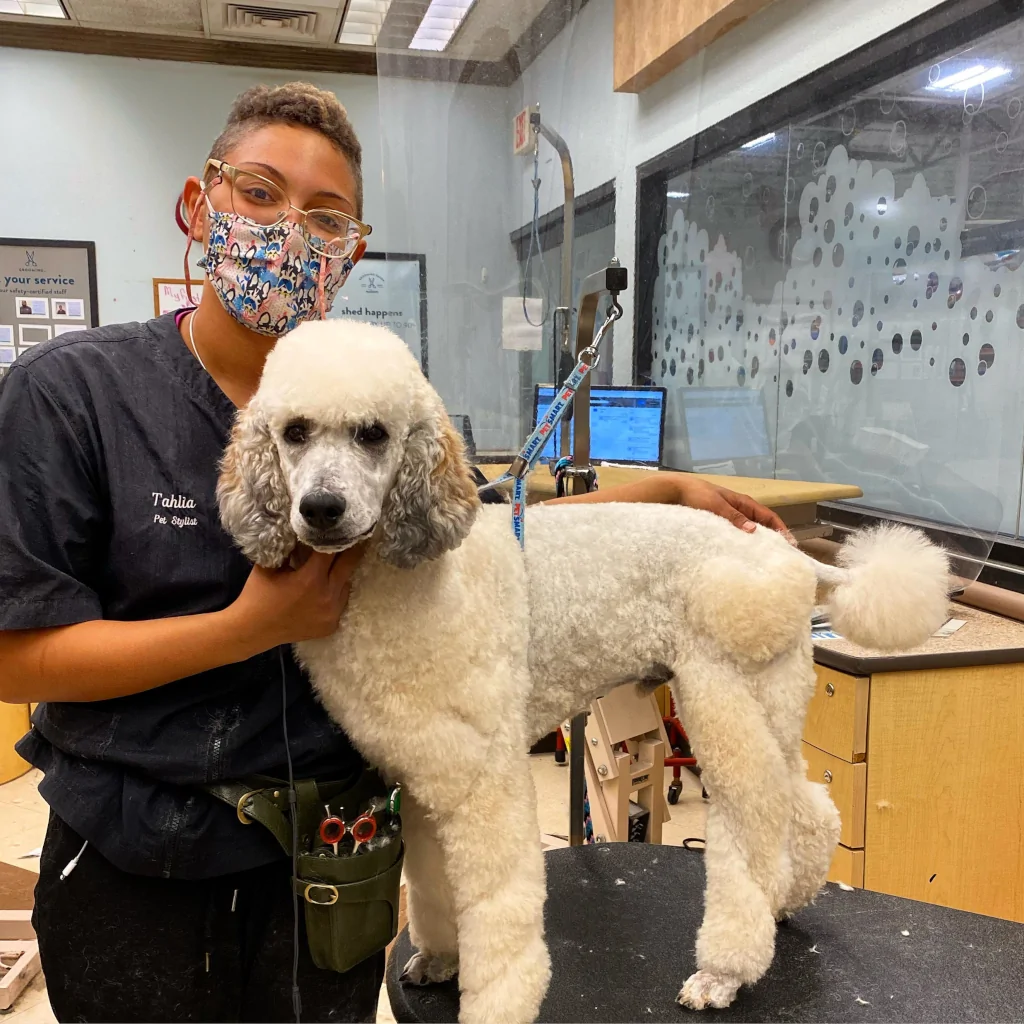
(265, 275)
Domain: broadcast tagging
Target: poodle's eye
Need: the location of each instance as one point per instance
(373, 434)
(295, 433)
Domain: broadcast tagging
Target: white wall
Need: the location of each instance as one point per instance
(610, 133)
(98, 148)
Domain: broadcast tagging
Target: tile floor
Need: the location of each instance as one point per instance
(23, 824)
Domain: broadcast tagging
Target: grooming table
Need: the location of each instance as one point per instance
(621, 952)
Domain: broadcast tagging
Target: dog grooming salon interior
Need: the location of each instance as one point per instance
(706, 272)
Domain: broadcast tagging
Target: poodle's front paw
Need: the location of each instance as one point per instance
(705, 989)
(425, 969)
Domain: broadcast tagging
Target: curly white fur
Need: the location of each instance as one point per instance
(457, 651)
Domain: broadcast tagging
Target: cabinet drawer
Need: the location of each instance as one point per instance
(837, 717)
(848, 785)
(847, 867)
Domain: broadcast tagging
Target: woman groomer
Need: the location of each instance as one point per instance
(149, 640)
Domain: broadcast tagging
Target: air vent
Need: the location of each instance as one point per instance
(270, 23)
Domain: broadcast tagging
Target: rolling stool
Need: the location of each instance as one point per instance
(621, 952)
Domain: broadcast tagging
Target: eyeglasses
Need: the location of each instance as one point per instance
(327, 232)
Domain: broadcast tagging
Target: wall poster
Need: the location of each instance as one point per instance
(170, 294)
(47, 288)
(389, 289)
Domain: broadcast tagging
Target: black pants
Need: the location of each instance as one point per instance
(121, 947)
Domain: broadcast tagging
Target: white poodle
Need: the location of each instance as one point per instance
(457, 651)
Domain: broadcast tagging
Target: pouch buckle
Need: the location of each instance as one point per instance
(240, 808)
(332, 894)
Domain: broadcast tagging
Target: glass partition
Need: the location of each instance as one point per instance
(839, 297)
(832, 295)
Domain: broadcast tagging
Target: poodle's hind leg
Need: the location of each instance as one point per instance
(813, 836)
(432, 925)
(785, 692)
(750, 788)
(496, 869)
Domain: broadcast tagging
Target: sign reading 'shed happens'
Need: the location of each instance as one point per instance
(389, 290)
(47, 288)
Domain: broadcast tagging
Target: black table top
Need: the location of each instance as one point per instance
(621, 952)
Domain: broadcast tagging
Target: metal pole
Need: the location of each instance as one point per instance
(568, 236)
(577, 739)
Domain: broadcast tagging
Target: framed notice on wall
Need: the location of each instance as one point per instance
(170, 294)
(47, 288)
(389, 289)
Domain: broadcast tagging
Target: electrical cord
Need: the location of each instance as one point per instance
(294, 809)
(535, 239)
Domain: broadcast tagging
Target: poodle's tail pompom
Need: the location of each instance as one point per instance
(892, 588)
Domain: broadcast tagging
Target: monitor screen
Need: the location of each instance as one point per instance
(626, 424)
(725, 423)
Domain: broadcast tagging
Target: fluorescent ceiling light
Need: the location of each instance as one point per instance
(439, 24)
(33, 8)
(678, 195)
(967, 78)
(758, 141)
(362, 23)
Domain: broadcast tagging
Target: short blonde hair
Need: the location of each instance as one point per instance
(297, 103)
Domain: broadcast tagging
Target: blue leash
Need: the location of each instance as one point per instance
(531, 451)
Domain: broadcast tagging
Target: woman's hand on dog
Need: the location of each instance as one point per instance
(303, 601)
(740, 509)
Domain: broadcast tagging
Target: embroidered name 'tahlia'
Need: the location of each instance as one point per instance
(172, 500)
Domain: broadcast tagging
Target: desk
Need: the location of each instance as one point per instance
(794, 500)
(924, 755)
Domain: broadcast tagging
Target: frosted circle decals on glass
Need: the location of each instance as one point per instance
(848, 121)
(898, 138)
(974, 98)
(977, 201)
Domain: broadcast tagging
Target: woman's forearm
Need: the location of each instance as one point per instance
(101, 659)
(685, 489)
(656, 489)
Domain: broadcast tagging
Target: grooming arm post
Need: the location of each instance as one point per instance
(564, 311)
(613, 280)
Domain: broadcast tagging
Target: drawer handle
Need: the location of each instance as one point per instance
(830, 690)
(828, 775)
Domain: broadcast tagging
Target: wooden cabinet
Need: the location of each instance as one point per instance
(927, 769)
(837, 719)
(13, 725)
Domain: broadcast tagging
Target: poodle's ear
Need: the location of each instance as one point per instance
(253, 496)
(433, 502)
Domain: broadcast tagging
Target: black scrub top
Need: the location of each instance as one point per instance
(109, 445)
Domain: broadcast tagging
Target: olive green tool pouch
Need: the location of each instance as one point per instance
(350, 898)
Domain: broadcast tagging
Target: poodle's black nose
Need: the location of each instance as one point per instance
(322, 510)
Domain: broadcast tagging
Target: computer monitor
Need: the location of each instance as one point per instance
(627, 424)
(724, 424)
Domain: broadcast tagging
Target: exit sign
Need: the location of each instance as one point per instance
(522, 134)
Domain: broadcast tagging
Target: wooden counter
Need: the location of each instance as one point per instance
(924, 755)
(776, 494)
